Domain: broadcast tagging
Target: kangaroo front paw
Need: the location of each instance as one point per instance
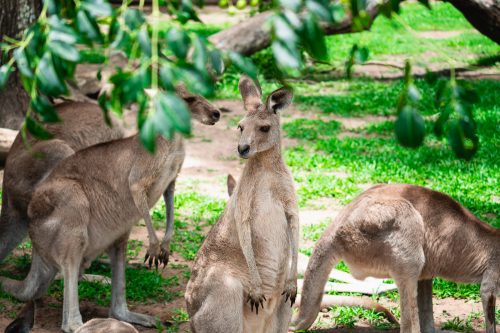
(290, 291)
(153, 255)
(256, 298)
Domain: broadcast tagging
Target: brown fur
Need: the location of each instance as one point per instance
(243, 267)
(409, 233)
(88, 205)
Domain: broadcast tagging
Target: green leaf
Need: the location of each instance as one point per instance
(320, 9)
(22, 62)
(61, 31)
(102, 100)
(314, 39)
(44, 108)
(462, 138)
(53, 6)
(148, 134)
(361, 55)
(5, 71)
(413, 93)
(200, 56)
(175, 110)
(36, 129)
(440, 122)
(291, 4)
(442, 92)
(243, 64)
(97, 7)
(410, 127)
(88, 26)
(133, 18)
(216, 61)
(145, 41)
(283, 31)
(65, 51)
(49, 81)
(178, 41)
(92, 57)
(285, 57)
(195, 81)
(167, 77)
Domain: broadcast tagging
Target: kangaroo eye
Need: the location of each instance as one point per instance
(240, 128)
(265, 129)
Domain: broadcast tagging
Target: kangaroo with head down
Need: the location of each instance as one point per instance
(411, 234)
(82, 125)
(250, 256)
(88, 205)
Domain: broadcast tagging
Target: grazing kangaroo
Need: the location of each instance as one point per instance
(82, 125)
(411, 234)
(250, 255)
(88, 204)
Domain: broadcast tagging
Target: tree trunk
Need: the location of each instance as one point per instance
(15, 16)
(484, 15)
(250, 36)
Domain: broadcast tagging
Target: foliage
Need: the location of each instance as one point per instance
(67, 34)
(89, 31)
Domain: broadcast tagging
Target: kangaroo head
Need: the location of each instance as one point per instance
(201, 109)
(260, 128)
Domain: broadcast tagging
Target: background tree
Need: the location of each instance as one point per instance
(15, 17)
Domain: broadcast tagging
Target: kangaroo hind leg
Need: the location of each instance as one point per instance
(222, 310)
(489, 291)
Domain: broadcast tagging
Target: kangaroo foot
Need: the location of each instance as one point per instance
(290, 291)
(256, 298)
(164, 253)
(135, 318)
(153, 255)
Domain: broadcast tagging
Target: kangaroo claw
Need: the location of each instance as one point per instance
(256, 299)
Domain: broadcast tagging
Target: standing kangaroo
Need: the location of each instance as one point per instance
(411, 234)
(245, 260)
(88, 204)
(82, 125)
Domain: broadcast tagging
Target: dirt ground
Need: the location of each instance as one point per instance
(211, 155)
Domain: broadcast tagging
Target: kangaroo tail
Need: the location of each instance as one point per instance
(361, 301)
(319, 267)
(34, 285)
(13, 228)
(24, 321)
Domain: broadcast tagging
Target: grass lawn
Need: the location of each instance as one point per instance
(332, 163)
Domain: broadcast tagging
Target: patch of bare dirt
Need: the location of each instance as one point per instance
(439, 34)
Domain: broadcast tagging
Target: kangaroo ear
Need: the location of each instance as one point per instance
(279, 100)
(231, 184)
(250, 92)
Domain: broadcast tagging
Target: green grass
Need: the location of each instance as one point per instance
(193, 213)
(347, 317)
(381, 159)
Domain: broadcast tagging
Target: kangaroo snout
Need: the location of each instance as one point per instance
(216, 115)
(243, 150)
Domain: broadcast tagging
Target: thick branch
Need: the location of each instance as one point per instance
(484, 15)
(251, 36)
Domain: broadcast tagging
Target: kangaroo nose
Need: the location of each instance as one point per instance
(243, 150)
(215, 115)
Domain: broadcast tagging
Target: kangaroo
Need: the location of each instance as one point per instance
(250, 256)
(108, 325)
(88, 205)
(412, 234)
(82, 125)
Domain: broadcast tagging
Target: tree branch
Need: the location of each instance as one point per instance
(251, 36)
